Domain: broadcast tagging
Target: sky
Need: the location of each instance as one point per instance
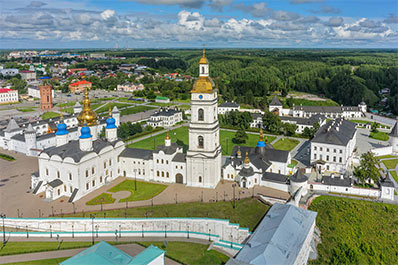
(192, 23)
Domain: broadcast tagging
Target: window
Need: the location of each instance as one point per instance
(334, 159)
(101, 178)
(157, 161)
(167, 162)
(201, 115)
(64, 188)
(340, 160)
(341, 151)
(162, 173)
(327, 158)
(200, 141)
(59, 191)
(143, 172)
(320, 157)
(104, 164)
(270, 170)
(176, 167)
(47, 171)
(162, 161)
(86, 186)
(157, 173)
(200, 179)
(279, 171)
(255, 180)
(327, 150)
(167, 174)
(334, 150)
(110, 162)
(203, 69)
(93, 183)
(327, 167)
(139, 171)
(70, 188)
(86, 173)
(181, 167)
(320, 148)
(70, 176)
(58, 176)
(314, 156)
(92, 170)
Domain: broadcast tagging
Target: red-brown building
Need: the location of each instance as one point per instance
(80, 86)
(46, 99)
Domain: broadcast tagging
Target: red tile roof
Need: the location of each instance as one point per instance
(5, 90)
(80, 83)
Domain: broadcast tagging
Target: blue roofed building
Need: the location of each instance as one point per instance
(283, 237)
(106, 254)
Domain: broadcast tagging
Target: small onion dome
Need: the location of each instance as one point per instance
(261, 142)
(61, 129)
(203, 60)
(247, 160)
(239, 153)
(167, 136)
(85, 132)
(110, 123)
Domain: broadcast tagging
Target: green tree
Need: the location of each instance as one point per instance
(368, 168)
(272, 123)
(240, 137)
(289, 129)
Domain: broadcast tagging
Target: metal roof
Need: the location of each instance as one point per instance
(337, 132)
(394, 131)
(279, 237)
(275, 102)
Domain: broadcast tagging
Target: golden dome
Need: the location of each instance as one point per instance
(261, 135)
(203, 60)
(239, 152)
(202, 85)
(87, 116)
(247, 160)
(167, 136)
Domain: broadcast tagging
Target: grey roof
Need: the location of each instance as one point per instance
(299, 176)
(72, 149)
(394, 131)
(338, 132)
(55, 183)
(279, 237)
(326, 109)
(386, 182)
(30, 128)
(12, 126)
(233, 261)
(275, 102)
(337, 181)
(136, 153)
(274, 177)
(115, 110)
(179, 157)
(77, 104)
(18, 137)
(45, 136)
(168, 150)
(229, 105)
(36, 174)
(305, 121)
(256, 115)
(168, 112)
(246, 172)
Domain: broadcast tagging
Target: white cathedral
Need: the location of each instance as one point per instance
(74, 168)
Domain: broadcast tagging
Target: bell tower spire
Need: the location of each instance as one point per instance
(203, 64)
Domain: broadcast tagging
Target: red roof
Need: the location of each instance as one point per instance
(80, 83)
(77, 69)
(5, 90)
(26, 71)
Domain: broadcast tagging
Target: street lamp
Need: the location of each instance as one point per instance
(4, 231)
(92, 216)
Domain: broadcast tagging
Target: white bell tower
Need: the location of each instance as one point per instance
(204, 153)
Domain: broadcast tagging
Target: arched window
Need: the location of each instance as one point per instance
(203, 69)
(200, 141)
(167, 174)
(162, 173)
(200, 179)
(58, 176)
(200, 115)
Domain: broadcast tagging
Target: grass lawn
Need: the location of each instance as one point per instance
(394, 175)
(54, 261)
(105, 198)
(159, 104)
(190, 253)
(7, 157)
(248, 212)
(391, 163)
(356, 232)
(386, 156)
(286, 144)
(105, 108)
(13, 247)
(49, 115)
(382, 136)
(26, 109)
(134, 110)
(67, 104)
(145, 190)
(180, 135)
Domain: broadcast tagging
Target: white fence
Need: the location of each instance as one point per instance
(345, 190)
(382, 151)
(223, 233)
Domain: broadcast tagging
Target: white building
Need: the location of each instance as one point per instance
(332, 147)
(228, 106)
(257, 120)
(130, 87)
(34, 92)
(9, 72)
(165, 118)
(261, 165)
(76, 168)
(303, 123)
(28, 75)
(8, 96)
(333, 112)
(394, 138)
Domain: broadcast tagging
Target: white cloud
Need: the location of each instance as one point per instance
(220, 4)
(107, 14)
(182, 3)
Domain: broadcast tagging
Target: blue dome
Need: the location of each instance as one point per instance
(110, 123)
(260, 144)
(61, 129)
(85, 132)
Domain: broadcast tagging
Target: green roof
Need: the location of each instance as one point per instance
(100, 254)
(159, 97)
(146, 256)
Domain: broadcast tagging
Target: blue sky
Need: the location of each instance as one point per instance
(190, 23)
